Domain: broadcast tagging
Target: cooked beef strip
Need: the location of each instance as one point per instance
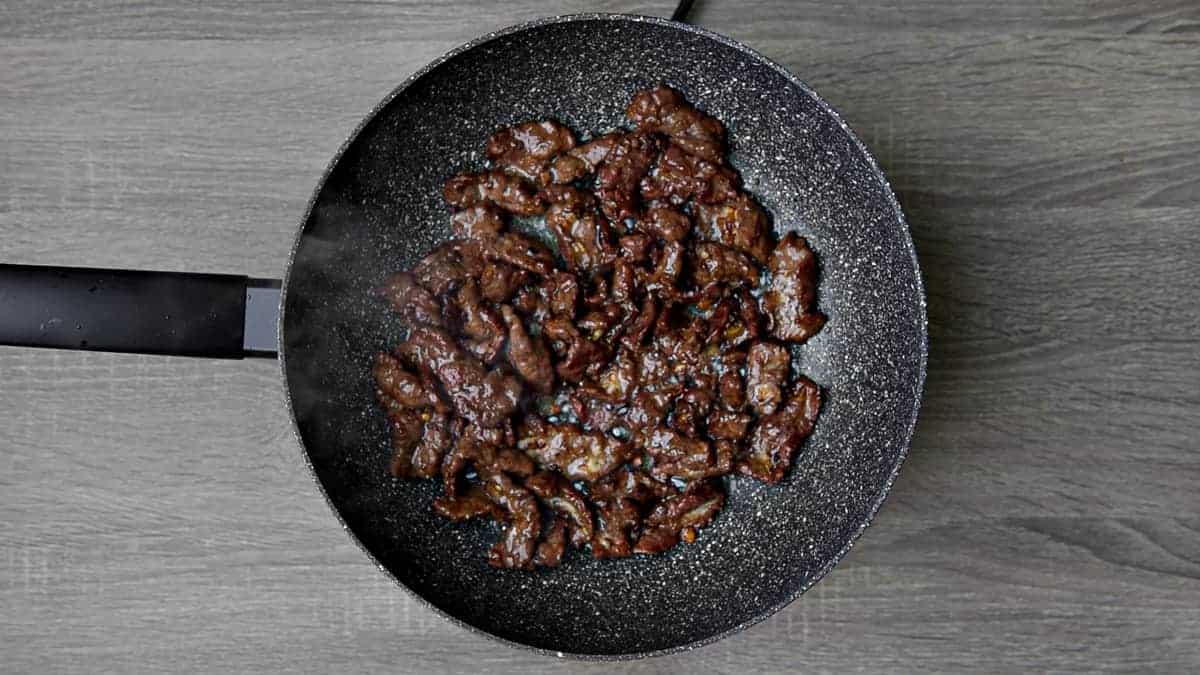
(791, 295)
(679, 177)
(510, 193)
(620, 174)
(526, 149)
(483, 397)
(580, 161)
(414, 303)
(574, 452)
(776, 437)
(528, 355)
(739, 223)
(663, 110)
(767, 368)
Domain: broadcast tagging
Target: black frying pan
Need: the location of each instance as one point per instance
(378, 209)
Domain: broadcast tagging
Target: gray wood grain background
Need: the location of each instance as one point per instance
(155, 514)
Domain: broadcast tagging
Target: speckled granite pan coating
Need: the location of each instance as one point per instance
(379, 209)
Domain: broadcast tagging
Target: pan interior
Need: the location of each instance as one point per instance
(380, 209)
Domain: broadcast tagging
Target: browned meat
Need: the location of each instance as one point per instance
(679, 337)
(641, 324)
(441, 271)
(405, 426)
(561, 291)
(584, 357)
(480, 448)
(738, 223)
(616, 383)
(648, 411)
(415, 304)
(580, 161)
(615, 521)
(553, 544)
(667, 267)
(776, 437)
(499, 281)
(656, 540)
(435, 441)
(665, 223)
(624, 281)
(679, 177)
(767, 368)
(751, 317)
(657, 373)
(635, 247)
(619, 175)
(716, 263)
(731, 390)
(403, 387)
(599, 323)
(509, 192)
(479, 323)
(691, 409)
(526, 149)
(558, 494)
(481, 397)
(517, 545)
(528, 355)
(663, 110)
(590, 409)
(474, 503)
(690, 509)
(730, 426)
(595, 291)
(792, 293)
(572, 451)
(481, 221)
(584, 239)
(591, 396)
(519, 251)
(634, 485)
(678, 455)
(720, 325)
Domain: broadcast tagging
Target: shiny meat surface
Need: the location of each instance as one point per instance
(791, 296)
(766, 372)
(526, 149)
(481, 221)
(506, 191)
(738, 223)
(596, 393)
(719, 264)
(528, 355)
(621, 173)
(573, 451)
(663, 110)
(580, 161)
(679, 176)
(777, 437)
(412, 302)
(584, 238)
(480, 396)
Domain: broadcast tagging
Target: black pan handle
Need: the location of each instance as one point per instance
(214, 315)
(681, 10)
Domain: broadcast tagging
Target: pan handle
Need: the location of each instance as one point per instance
(214, 315)
(681, 10)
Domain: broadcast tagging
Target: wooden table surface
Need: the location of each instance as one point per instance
(155, 513)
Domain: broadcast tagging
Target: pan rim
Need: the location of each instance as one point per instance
(901, 222)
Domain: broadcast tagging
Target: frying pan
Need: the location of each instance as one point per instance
(378, 209)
